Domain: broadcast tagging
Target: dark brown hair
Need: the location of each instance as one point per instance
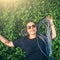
(28, 22)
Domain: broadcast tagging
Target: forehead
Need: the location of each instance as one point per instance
(30, 23)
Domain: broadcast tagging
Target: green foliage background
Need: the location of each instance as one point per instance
(13, 18)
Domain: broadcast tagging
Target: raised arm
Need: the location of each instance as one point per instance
(53, 31)
(6, 42)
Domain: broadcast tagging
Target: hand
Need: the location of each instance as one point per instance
(50, 19)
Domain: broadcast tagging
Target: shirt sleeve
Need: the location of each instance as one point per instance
(18, 42)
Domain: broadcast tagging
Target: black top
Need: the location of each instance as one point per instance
(31, 47)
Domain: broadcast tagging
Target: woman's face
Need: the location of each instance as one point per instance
(31, 28)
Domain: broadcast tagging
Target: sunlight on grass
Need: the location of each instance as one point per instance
(11, 3)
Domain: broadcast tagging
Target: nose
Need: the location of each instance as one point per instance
(32, 28)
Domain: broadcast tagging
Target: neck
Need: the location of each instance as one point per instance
(32, 36)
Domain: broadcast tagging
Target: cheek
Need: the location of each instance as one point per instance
(36, 29)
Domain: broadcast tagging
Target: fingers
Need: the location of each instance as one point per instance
(49, 17)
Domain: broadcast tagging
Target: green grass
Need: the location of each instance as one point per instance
(13, 18)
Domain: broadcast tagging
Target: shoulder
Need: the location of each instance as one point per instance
(19, 42)
(20, 39)
(23, 38)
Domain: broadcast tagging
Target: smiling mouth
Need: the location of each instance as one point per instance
(32, 31)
